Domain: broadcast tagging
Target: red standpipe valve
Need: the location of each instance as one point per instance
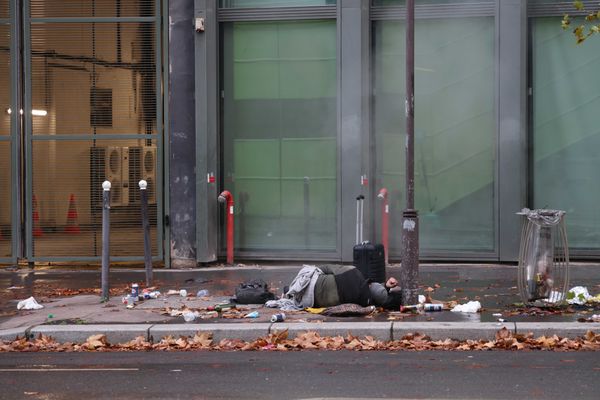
(385, 221)
(227, 197)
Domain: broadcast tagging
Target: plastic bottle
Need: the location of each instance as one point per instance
(224, 307)
(189, 316)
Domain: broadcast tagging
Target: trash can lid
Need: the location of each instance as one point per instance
(543, 216)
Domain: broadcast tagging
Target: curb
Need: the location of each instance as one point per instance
(246, 332)
(12, 334)
(378, 330)
(383, 331)
(118, 333)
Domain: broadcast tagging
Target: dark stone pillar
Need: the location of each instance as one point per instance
(182, 132)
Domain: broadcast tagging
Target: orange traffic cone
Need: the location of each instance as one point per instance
(37, 230)
(72, 224)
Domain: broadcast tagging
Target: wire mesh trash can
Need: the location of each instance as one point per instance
(544, 258)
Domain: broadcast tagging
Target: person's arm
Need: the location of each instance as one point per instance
(391, 283)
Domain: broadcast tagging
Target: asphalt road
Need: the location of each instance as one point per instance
(301, 375)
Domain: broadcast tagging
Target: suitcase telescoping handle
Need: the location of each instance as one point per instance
(359, 218)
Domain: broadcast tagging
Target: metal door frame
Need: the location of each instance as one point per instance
(12, 138)
(29, 138)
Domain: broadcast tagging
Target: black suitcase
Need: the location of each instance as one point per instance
(367, 257)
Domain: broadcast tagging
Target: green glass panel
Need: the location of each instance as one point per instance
(566, 133)
(273, 3)
(423, 2)
(279, 128)
(454, 130)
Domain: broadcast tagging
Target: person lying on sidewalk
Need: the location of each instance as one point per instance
(332, 285)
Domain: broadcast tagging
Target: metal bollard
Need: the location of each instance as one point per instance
(227, 198)
(146, 225)
(306, 212)
(105, 239)
(385, 221)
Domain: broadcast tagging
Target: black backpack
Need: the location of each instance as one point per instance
(255, 291)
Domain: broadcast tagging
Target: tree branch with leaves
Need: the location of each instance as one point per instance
(590, 27)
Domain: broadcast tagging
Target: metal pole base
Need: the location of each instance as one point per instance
(409, 273)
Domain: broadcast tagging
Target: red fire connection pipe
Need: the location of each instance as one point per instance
(385, 221)
(227, 197)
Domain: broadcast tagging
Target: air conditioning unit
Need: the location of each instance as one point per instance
(110, 163)
(142, 165)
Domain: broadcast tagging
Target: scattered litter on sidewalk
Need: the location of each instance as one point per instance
(555, 297)
(202, 293)
(593, 318)
(152, 295)
(29, 304)
(189, 316)
(280, 317)
(130, 301)
(253, 314)
(578, 295)
(15, 287)
(470, 307)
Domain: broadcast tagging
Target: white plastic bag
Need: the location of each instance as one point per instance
(29, 304)
(470, 307)
(578, 295)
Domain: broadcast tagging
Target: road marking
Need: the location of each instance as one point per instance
(65, 369)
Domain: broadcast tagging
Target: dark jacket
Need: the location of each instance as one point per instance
(341, 284)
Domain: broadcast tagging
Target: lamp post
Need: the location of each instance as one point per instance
(410, 217)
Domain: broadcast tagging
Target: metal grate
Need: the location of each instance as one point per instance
(67, 197)
(92, 8)
(95, 85)
(4, 9)
(5, 81)
(75, 65)
(5, 200)
(6, 168)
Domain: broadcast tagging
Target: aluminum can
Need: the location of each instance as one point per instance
(278, 317)
(432, 307)
(135, 290)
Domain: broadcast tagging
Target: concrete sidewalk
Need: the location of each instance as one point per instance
(74, 318)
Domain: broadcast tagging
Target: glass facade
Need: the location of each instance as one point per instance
(454, 130)
(565, 132)
(279, 133)
(300, 99)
